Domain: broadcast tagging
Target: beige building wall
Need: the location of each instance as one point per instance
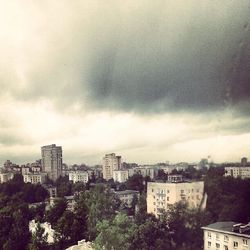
(238, 171)
(79, 176)
(120, 175)
(225, 241)
(161, 195)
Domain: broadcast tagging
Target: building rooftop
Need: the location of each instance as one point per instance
(127, 192)
(230, 227)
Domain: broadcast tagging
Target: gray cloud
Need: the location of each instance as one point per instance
(198, 62)
(142, 57)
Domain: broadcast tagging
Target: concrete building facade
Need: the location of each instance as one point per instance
(120, 175)
(4, 177)
(110, 163)
(79, 176)
(127, 196)
(34, 178)
(52, 161)
(160, 196)
(226, 236)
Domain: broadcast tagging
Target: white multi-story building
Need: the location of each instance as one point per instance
(160, 196)
(238, 171)
(25, 170)
(52, 161)
(111, 162)
(4, 177)
(127, 196)
(120, 175)
(79, 176)
(34, 178)
(241, 170)
(227, 236)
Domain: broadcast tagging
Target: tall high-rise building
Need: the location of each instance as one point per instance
(52, 161)
(111, 162)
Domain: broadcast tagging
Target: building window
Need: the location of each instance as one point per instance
(152, 190)
(225, 247)
(217, 237)
(226, 238)
(209, 235)
(217, 246)
(209, 243)
(235, 244)
(167, 198)
(245, 242)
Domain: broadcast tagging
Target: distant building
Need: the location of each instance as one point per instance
(160, 196)
(4, 177)
(120, 175)
(25, 170)
(34, 178)
(79, 176)
(145, 171)
(241, 170)
(52, 161)
(51, 189)
(70, 201)
(127, 196)
(111, 162)
(227, 236)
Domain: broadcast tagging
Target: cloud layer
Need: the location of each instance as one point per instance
(133, 76)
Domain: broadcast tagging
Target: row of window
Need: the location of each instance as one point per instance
(226, 239)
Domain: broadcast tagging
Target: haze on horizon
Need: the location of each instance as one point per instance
(149, 80)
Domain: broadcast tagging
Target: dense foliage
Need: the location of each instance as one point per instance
(99, 217)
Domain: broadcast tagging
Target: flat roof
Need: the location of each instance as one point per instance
(226, 227)
(126, 192)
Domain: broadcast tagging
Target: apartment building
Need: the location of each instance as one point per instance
(120, 175)
(4, 177)
(127, 196)
(226, 236)
(52, 161)
(111, 162)
(79, 176)
(34, 178)
(161, 195)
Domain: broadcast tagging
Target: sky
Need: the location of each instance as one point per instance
(153, 81)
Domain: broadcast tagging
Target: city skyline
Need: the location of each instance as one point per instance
(151, 81)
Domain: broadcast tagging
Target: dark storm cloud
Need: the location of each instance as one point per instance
(195, 62)
(142, 56)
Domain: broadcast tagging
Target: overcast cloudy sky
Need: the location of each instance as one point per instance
(150, 80)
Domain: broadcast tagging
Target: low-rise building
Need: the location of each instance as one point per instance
(160, 196)
(120, 175)
(34, 178)
(238, 171)
(227, 236)
(79, 176)
(25, 170)
(4, 177)
(127, 196)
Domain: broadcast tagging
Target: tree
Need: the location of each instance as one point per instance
(114, 234)
(150, 235)
(100, 206)
(55, 213)
(135, 182)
